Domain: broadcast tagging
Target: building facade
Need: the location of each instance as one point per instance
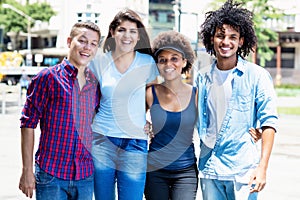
(184, 16)
(285, 63)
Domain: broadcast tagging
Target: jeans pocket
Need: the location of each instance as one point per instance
(90, 178)
(140, 145)
(98, 139)
(42, 177)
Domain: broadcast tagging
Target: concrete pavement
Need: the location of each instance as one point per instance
(283, 174)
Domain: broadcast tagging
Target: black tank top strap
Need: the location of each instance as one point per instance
(155, 100)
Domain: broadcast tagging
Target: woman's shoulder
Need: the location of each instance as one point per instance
(189, 87)
(100, 62)
(158, 89)
(144, 56)
(152, 85)
(100, 57)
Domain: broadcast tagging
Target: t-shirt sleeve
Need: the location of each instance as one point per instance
(95, 65)
(153, 71)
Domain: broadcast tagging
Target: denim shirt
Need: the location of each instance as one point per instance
(252, 104)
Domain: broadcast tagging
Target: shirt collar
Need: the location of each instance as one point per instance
(90, 77)
(72, 71)
(69, 68)
(241, 64)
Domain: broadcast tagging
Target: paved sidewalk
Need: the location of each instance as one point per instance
(283, 174)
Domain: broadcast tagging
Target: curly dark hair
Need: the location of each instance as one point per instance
(240, 19)
(126, 14)
(178, 41)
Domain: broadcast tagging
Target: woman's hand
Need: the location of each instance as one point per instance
(148, 130)
(255, 133)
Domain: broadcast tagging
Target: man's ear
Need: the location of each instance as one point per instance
(241, 42)
(69, 40)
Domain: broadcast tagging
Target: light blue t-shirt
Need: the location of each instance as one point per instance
(122, 105)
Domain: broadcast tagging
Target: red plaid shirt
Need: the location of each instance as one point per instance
(65, 115)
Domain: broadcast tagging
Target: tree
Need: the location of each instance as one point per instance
(14, 22)
(262, 11)
(40, 11)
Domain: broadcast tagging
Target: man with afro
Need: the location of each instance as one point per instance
(234, 95)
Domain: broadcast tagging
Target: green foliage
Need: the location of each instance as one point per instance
(289, 110)
(288, 91)
(288, 86)
(262, 11)
(12, 21)
(40, 11)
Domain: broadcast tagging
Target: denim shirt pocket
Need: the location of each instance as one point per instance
(242, 112)
(242, 102)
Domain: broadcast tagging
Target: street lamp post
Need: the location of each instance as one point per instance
(29, 19)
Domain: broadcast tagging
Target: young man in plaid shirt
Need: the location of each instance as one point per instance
(62, 99)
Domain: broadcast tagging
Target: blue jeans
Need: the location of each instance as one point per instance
(176, 185)
(225, 190)
(121, 161)
(49, 187)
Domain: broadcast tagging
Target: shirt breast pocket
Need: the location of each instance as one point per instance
(243, 102)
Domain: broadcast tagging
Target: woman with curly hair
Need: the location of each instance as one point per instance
(172, 172)
(234, 95)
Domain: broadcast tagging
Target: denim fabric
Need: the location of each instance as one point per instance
(253, 102)
(49, 187)
(176, 185)
(225, 190)
(121, 161)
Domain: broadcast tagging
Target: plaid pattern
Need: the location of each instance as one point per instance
(65, 114)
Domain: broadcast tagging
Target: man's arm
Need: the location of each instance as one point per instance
(27, 180)
(260, 173)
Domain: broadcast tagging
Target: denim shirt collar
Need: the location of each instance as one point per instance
(240, 68)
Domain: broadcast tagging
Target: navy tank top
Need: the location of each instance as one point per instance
(172, 147)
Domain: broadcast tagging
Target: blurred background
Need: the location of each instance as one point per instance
(33, 35)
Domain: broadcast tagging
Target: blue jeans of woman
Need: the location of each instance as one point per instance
(122, 161)
(176, 185)
(49, 187)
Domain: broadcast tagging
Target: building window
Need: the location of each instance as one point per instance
(286, 22)
(88, 17)
(287, 58)
(46, 42)
(54, 41)
(171, 18)
(162, 17)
